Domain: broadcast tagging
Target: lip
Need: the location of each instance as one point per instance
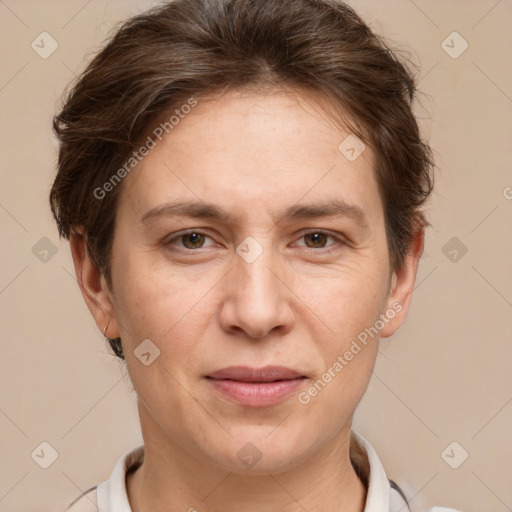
(248, 374)
(256, 387)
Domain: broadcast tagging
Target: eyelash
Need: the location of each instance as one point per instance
(323, 250)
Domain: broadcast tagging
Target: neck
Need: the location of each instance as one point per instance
(173, 480)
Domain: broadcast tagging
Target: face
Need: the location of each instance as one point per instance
(284, 262)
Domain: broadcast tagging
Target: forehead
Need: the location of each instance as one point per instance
(242, 149)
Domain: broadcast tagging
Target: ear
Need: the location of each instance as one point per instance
(93, 286)
(402, 285)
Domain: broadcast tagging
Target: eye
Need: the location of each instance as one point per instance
(191, 240)
(318, 239)
(194, 240)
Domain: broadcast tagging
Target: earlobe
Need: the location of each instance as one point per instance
(93, 286)
(402, 285)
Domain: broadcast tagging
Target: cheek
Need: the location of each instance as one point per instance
(343, 316)
(347, 351)
(168, 308)
(345, 302)
(160, 302)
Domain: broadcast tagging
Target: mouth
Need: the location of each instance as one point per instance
(256, 387)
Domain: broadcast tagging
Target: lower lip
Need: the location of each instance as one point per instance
(257, 394)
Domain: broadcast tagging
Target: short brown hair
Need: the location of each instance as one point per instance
(188, 48)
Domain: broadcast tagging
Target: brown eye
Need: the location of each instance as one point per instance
(188, 241)
(318, 239)
(192, 240)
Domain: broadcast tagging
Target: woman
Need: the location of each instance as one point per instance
(242, 185)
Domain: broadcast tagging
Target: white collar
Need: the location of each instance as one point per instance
(111, 494)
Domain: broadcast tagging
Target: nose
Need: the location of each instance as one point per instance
(257, 297)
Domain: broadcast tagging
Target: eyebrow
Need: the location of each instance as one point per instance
(203, 210)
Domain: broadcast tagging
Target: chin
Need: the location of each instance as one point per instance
(259, 454)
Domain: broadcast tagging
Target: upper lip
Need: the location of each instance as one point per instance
(248, 374)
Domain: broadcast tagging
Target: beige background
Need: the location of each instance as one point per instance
(446, 376)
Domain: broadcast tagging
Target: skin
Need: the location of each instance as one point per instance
(206, 308)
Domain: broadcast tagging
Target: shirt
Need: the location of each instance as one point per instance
(111, 496)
